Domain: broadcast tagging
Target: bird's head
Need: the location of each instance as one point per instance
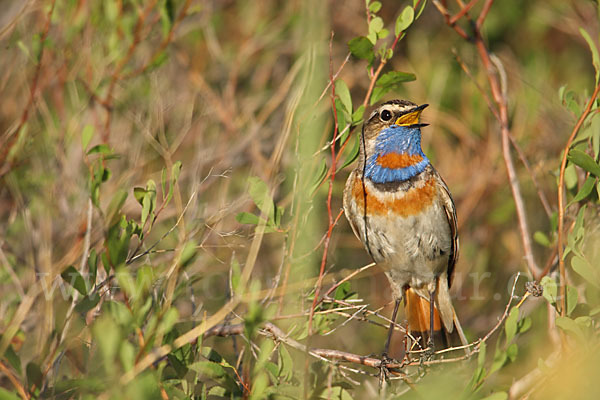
(392, 142)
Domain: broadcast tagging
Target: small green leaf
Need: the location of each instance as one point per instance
(510, 325)
(376, 25)
(585, 190)
(395, 77)
(404, 20)
(375, 7)
(570, 326)
(357, 116)
(583, 160)
(99, 149)
(389, 81)
(285, 364)
(421, 8)
(107, 334)
(34, 375)
(86, 136)
(112, 211)
(353, 155)
(148, 202)
(319, 177)
(87, 303)
(586, 270)
(499, 360)
(74, 278)
(342, 91)
(512, 352)
(594, 50)
(189, 253)
(572, 298)
(541, 238)
(550, 289)
(259, 192)
(247, 218)
(382, 34)
(362, 48)
(481, 355)
(139, 193)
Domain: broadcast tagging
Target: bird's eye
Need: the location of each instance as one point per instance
(385, 115)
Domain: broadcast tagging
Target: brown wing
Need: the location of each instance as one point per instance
(451, 216)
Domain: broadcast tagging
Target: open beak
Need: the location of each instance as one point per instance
(411, 117)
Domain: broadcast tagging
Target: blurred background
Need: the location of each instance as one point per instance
(103, 96)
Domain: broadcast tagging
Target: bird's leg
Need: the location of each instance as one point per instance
(383, 373)
(391, 330)
(430, 344)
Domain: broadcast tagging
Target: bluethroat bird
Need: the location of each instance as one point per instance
(402, 211)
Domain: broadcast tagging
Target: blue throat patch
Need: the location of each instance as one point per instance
(401, 140)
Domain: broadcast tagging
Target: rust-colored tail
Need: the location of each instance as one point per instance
(419, 318)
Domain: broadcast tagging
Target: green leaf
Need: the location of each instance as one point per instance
(375, 6)
(594, 50)
(259, 192)
(117, 241)
(550, 291)
(376, 25)
(175, 171)
(357, 116)
(572, 298)
(389, 81)
(512, 351)
(87, 303)
(353, 155)
(382, 34)
(285, 364)
(11, 356)
(570, 326)
(235, 276)
(112, 211)
(107, 334)
(319, 177)
(99, 149)
(74, 278)
(421, 8)
(585, 190)
(342, 91)
(586, 270)
(499, 360)
(86, 136)
(127, 355)
(362, 48)
(139, 193)
(584, 161)
(510, 325)
(481, 355)
(189, 253)
(34, 375)
(541, 238)
(404, 20)
(148, 202)
(393, 78)
(247, 218)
